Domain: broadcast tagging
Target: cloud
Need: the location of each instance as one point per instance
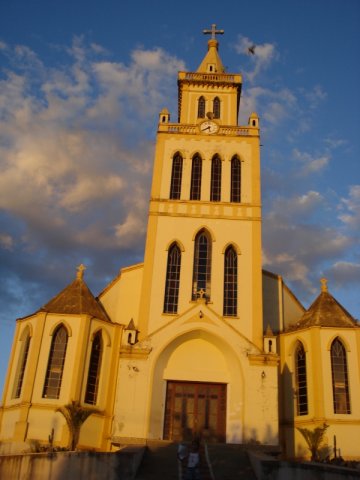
(350, 208)
(310, 163)
(300, 240)
(76, 156)
(300, 206)
(344, 273)
(315, 96)
(264, 55)
(274, 106)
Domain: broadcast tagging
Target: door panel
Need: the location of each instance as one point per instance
(195, 410)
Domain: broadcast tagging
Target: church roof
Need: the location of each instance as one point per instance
(325, 311)
(76, 299)
(212, 58)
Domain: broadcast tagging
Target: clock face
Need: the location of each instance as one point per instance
(209, 127)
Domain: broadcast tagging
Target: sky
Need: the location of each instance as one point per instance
(81, 88)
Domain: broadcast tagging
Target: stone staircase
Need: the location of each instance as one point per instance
(159, 462)
(227, 462)
(230, 462)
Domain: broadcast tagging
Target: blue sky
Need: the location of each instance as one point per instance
(81, 87)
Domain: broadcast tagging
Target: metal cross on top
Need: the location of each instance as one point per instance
(213, 32)
(80, 271)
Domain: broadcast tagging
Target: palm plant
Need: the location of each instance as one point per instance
(75, 415)
(314, 439)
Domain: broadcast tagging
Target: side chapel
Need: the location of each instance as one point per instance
(197, 339)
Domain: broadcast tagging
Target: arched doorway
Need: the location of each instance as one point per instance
(197, 390)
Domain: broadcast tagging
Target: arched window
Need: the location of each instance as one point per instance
(196, 170)
(24, 350)
(235, 191)
(230, 282)
(176, 175)
(201, 107)
(215, 187)
(301, 380)
(216, 107)
(202, 266)
(92, 385)
(172, 279)
(56, 362)
(341, 398)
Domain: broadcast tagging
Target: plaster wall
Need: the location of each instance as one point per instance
(122, 298)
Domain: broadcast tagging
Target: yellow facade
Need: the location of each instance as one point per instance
(198, 320)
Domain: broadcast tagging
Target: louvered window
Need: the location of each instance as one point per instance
(216, 107)
(201, 107)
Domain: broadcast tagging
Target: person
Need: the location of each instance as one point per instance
(193, 462)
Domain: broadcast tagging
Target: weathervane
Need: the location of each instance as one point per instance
(213, 32)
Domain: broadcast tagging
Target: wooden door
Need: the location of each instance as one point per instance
(195, 410)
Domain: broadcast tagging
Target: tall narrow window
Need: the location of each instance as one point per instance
(92, 385)
(24, 350)
(196, 170)
(301, 380)
(216, 107)
(215, 188)
(56, 362)
(235, 191)
(341, 398)
(201, 107)
(172, 279)
(176, 175)
(230, 282)
(202, 266)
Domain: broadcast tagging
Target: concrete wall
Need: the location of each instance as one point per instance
(267, 468)
(67, 465)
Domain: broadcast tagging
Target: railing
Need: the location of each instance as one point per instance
(193, 129)
(212, 77)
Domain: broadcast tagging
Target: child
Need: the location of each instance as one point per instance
(193, 462)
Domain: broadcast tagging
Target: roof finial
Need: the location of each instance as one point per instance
(213, 32)
(324, 287)
(80, 271)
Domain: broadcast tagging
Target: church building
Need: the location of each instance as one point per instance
(198, 340)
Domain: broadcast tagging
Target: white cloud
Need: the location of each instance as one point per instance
(344, 273)
(262, 58)
(350, 208)
(296, 207)
(310, 163)
(71, 144)
(273, 106)
(315, 96)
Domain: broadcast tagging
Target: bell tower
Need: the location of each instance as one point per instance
(204, 227)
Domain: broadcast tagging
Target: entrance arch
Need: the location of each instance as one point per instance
(197, 390)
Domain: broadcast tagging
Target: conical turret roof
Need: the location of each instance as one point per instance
(76, 298)
(325, 311)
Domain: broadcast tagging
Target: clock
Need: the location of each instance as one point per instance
(208, 127)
